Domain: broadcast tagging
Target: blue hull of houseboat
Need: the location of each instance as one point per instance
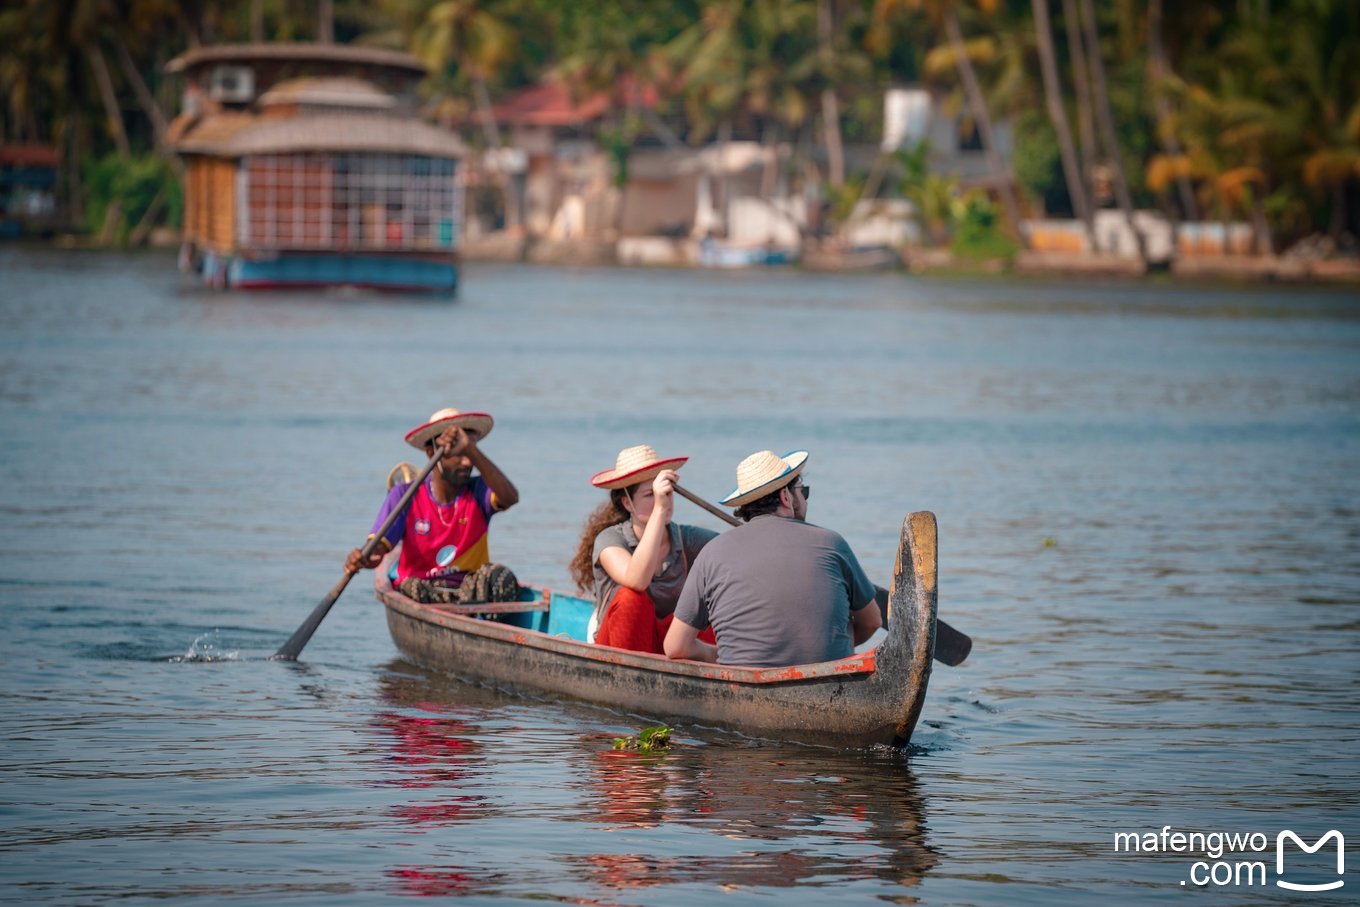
(299, 271)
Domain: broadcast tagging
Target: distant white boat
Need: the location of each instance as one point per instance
(716, 254)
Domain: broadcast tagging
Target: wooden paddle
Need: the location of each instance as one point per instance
(951, 646)
(290, 650)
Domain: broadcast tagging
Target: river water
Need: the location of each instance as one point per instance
(1149, 508)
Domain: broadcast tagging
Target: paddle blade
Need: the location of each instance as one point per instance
(951, 646)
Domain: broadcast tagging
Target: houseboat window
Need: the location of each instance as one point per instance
(351, 201)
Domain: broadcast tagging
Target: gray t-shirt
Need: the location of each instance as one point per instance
(777, 592)
(686, 542)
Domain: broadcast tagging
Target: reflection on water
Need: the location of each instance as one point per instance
(430, 747)
(444, 881)
(785, 816)
(792, 821)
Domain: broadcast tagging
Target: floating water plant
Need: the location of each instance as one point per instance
(647, 740)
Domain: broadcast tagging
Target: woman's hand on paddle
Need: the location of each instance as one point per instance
(663, 494)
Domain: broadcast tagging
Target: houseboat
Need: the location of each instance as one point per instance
(307, 165)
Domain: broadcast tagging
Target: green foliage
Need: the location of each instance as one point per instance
(977, 233)
(648, 740)
(841, 200)
(935, 201)
(134, 184)
(912, 165)
(1038, 163)
(965, 221)
(618, 144)
(932, 195)
(1250, 88)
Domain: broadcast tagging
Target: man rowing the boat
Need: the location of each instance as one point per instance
(778, 590)
(443, 534)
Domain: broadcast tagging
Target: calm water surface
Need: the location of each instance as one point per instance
(1149, 508)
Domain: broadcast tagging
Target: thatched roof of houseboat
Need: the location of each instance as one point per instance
(295, 52)
(208, 132)
(228, 135)
(328, 91)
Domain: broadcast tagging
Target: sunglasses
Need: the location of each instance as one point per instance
(806, 489)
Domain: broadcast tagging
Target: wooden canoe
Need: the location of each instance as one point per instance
(870, 698)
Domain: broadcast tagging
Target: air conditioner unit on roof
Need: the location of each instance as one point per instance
(232, 84)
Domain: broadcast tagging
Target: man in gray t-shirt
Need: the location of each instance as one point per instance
(777, 591)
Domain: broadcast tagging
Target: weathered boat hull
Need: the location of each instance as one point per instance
(870, 698)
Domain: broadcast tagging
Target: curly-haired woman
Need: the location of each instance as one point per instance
(631, 554)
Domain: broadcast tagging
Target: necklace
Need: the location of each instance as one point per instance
(440, 508)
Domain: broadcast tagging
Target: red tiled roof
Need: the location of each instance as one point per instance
(551, 104)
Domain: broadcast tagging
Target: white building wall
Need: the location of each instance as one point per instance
(755, 222)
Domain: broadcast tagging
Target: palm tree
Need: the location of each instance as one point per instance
(141, 23)
(26, 74)
(1274, 116)
(710, 58)
(614, 50)
(1105, 122)
(473, 36)
(74, 28)
(1081, 79)
(1319, 45)
(1057, 113)
(943, 14)
(1227, 132)
(764, 60)
(1158, 73)
(831, 113)
(785, 69)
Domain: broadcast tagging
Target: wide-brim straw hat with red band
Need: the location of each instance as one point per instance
(762, 473)
(442, 420)
(633, 466)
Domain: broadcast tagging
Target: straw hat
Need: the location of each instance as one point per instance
(444, 419)
(763, 472)
(633, 466)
